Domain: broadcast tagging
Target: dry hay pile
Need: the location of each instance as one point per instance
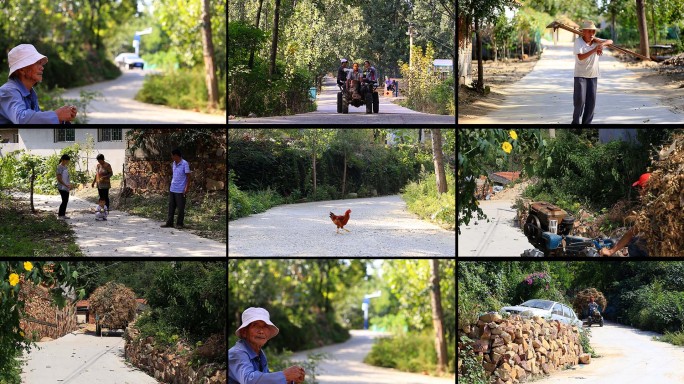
(115, 305)
(581, 302)
(661, 219)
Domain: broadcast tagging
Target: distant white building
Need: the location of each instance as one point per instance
(111, 142)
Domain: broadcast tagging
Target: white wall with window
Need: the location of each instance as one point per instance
(111, 142)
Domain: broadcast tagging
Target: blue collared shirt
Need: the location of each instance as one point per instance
(244, 367)
(20, 106)
(180, 176)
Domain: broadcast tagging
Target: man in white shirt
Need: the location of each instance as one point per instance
(587, 50)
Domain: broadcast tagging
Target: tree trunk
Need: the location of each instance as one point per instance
(274, 47)
(478, 49)
(465, 52)
(258, 19)
(344, 175)
(33, 179)
(437, 316)
(438, 159)
(613, 31)
(208, 53)
(641, 24)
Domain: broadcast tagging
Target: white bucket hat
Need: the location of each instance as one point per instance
(22, 56)
(251, 315)
(343, 61)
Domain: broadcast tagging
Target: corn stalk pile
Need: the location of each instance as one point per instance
(115, 305)
(661, 219)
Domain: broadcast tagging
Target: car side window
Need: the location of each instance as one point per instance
(567, 312)
(557, 310)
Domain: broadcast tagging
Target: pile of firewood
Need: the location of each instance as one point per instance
(581, 302)
(42, 317)
(114, 305)
(661, 218)
(675, 60)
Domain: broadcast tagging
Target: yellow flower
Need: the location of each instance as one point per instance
(13, 279)
(28, 266)
(506, 146)
(21, 333)
(513, 135)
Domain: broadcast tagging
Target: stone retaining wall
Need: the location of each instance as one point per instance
(516, 349)
(169, 365)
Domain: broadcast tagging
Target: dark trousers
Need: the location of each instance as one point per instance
(65, 201)
(584, 98)
(176, 200)
(104, 194)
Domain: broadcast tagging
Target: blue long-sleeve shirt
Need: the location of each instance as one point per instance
(243, 367)
(20, 106)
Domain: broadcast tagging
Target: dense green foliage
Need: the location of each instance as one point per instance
(314, 35)
(423, 87)
(179, 88)
(187, 300)
(584, 173)
(422, 198)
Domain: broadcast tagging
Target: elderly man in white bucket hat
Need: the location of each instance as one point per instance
(587, 50)
(247, 362)
(18, 99)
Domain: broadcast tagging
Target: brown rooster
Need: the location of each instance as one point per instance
(340, 221)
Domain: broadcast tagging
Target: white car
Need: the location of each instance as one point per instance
(549, 310)
(129, 60)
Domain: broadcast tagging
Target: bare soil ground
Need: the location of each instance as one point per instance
(668, 78)
(472, 104)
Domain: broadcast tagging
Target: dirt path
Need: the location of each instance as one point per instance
(389, 113)
(545, 95)
(79, 358)
(499, 237)
(629, 356)
(125, 235)
(380, 226)
(118, 106)
(345, 364)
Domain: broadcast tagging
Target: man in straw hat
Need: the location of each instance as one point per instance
(587, 50)
(18, 99)
(247, 362)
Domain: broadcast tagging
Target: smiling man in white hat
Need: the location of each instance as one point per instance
(587, 50)
(18, 99)
(247, 362)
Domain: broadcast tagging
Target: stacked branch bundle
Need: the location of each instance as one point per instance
(581, 302)
(114, 304)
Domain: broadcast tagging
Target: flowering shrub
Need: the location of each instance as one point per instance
(537, 285)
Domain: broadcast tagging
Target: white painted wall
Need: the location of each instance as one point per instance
(40, 141)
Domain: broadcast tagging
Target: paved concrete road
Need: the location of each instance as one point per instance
(380, 226)
(629, 356)
(125, 235)
(79, 358)
(345, 365)
(389, 113)
(544, 96)
(499, 237)
(117, 106)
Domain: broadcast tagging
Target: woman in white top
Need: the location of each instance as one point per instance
(63, 185)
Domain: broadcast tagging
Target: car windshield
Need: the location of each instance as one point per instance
(540, 304)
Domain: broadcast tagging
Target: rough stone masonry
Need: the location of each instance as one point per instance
(515, 349)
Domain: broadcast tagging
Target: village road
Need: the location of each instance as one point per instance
(124, 234)
(344, 364)
(118, 106)
(80, 358)
(628, 356)
(499, 237)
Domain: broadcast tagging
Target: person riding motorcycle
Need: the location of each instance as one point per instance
(593, 307)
